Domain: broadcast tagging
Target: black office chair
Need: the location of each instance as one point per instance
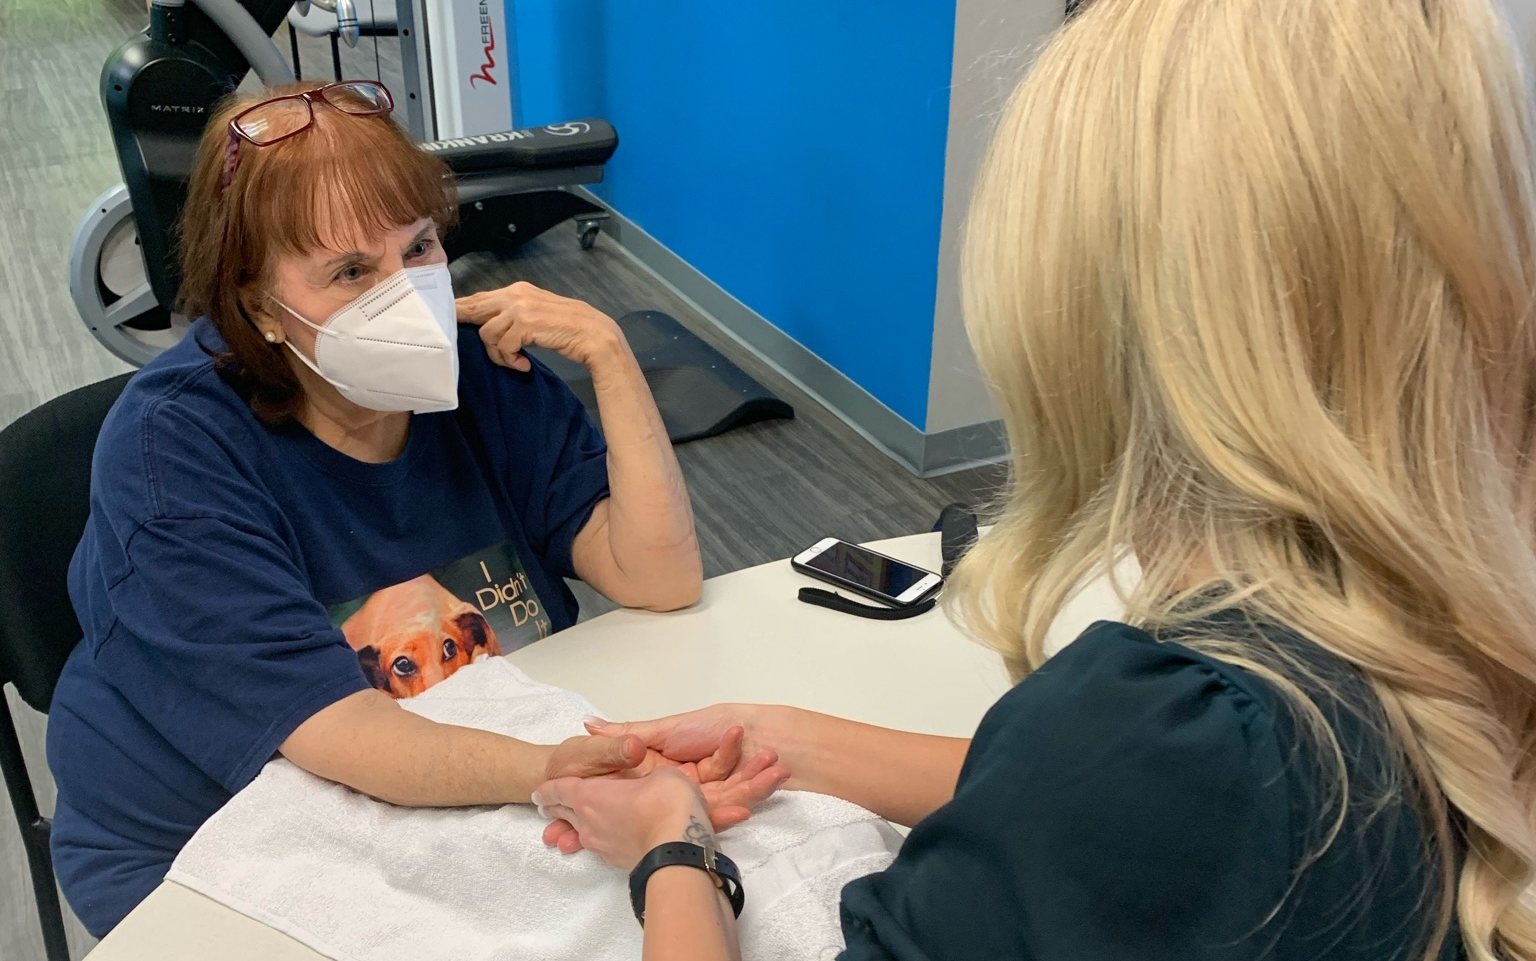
(45, 485)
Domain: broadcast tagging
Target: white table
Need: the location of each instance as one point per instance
(748, 639)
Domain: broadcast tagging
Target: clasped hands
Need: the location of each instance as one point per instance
(690, 773)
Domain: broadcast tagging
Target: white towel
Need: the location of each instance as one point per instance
(360, 880)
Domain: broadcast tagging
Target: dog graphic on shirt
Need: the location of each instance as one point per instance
(411, 636)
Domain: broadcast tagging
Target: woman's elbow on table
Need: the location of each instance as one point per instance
(680, 598)
(637, 572)
(686, 585)
(671, 587)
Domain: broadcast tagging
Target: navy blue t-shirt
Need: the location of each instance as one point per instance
(234, 578)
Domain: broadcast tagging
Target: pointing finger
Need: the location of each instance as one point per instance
(473, 309)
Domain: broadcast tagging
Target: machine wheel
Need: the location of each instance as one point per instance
(588, 226)
(110, 285)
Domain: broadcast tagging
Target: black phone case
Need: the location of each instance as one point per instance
(860, 589)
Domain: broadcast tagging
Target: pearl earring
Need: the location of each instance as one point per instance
(271, 337)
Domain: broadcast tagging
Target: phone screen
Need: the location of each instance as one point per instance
(858, 566)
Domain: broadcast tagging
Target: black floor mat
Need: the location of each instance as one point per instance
(699, 392)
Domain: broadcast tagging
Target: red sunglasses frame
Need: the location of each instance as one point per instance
(309, 98)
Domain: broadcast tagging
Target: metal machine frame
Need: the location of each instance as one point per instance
(159, 89)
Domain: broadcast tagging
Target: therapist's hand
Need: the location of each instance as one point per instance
(522, 315)
(731, 784)
(622, 819)
(695, 736)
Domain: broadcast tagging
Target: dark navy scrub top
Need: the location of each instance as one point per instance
(1134, 800)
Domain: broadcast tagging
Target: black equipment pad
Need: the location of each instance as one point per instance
(699, 392)
(574, 144)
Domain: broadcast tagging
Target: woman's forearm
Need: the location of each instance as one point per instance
(900, 776)
(648, 523)
(639, 547)
(687, 918)
(371, 744)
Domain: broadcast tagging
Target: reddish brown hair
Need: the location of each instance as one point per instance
(344, 176)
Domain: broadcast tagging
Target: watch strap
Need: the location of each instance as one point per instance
(722, 869)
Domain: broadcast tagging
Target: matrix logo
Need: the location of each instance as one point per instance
(176, 108)
(488, 38)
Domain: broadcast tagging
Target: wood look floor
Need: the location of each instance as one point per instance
(760, 493)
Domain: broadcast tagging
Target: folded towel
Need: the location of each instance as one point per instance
(362, 880)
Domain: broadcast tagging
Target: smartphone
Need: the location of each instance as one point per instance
(862, 571)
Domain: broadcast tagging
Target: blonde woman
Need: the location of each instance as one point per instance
(1253, 280)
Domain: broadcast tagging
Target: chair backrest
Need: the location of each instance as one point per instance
(45, 497)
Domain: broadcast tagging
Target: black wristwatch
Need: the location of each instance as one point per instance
(719, 867)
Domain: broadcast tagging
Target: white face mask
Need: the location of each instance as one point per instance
(395, 347)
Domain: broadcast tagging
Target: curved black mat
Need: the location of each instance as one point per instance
(699, 392)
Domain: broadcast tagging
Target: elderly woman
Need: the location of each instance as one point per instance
(1255, 282)
(329, 493)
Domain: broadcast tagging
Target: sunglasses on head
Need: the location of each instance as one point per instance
(279, 118)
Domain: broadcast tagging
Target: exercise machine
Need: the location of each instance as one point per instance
(161, 86)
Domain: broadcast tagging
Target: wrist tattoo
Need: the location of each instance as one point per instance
(701, 835)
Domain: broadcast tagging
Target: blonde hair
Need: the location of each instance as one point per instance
(1253, 283)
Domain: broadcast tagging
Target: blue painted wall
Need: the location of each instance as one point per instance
(791, 150)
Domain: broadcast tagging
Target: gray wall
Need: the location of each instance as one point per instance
(995, 41)
(1522, 14)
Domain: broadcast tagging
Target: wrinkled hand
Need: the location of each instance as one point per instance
(694, 736)
(730, 783)
(522, 315)
(621, 819)
(593, 757)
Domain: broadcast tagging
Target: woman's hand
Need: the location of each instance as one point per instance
(731, 784)
(900, 776)
(622, 819)
(591, 757)
(522, 315)
(697, 735)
